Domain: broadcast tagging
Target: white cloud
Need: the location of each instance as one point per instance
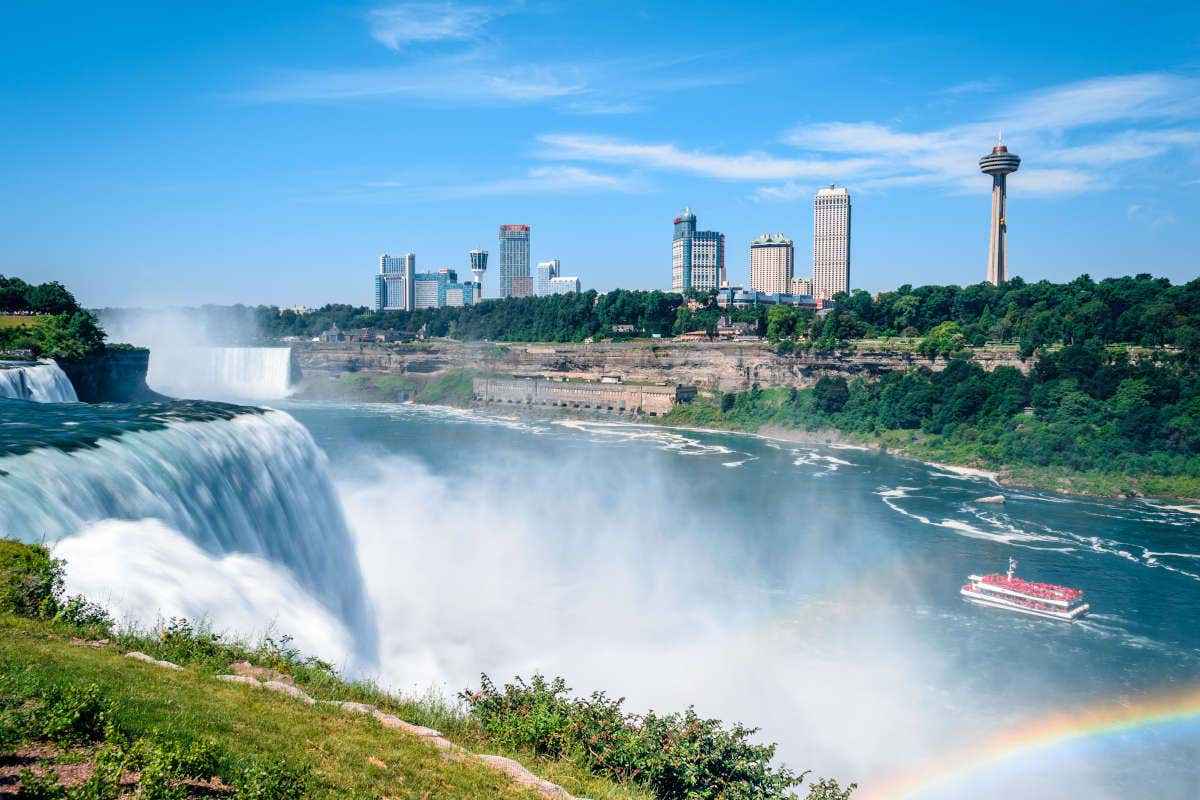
(971, 87)
(455, 80)
(1126, 146)
(552, 179)
(1101, 100)
(1153, 217)
(1059, 130)
(397, 25)
(668, 157)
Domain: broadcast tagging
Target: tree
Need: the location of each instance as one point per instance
(830, 394)
(51, 298)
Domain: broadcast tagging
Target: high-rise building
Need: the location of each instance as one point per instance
(802, 287)
(440, 289)
(514, 257)
(697, 257)
(546, 272)
(521, 286)
(478, 267)
(394, 283)
(999, 163)
(831, 242)
(563, 284)
(772, 261)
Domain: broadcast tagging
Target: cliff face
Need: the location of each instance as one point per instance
(727, 366)
(113, 376)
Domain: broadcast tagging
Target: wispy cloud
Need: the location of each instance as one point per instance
(1060, 130)
(464, 63)
(464, 78)
(971, 87)
(1151, 216)
(555, 179)
(668, 157)
(394, 26)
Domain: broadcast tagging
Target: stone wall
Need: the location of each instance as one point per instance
(727, 366)
(615, 397)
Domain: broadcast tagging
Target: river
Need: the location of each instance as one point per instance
(811, 591)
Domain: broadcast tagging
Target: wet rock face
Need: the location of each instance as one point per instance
(114, 376)
(727, 366)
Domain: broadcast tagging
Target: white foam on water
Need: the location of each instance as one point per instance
(145, 572)
(43, 382)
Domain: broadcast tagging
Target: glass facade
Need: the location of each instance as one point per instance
(514, 256)
(697, 257)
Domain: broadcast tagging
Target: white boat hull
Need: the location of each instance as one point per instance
(998, 602)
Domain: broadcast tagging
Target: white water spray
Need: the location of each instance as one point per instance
(222, 373)
(254, 485)
(43, 382)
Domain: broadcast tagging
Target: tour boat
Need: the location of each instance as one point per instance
(1027, 597)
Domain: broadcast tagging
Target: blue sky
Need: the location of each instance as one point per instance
(167, 154)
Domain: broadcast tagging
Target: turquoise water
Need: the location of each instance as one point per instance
(812, 591)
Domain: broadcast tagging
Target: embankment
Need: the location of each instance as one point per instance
(723, 366)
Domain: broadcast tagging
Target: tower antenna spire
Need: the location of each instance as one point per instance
(1000, 136)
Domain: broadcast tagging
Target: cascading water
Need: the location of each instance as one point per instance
(250, 483)
(42, 382)
(215, 373)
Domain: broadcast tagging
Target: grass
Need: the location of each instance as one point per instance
(24, 321)
(345, 755)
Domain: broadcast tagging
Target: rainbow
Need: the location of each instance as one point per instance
(1043, 733)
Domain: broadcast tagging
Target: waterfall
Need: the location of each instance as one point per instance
(42, 382)
(255, 484)
(221, 373)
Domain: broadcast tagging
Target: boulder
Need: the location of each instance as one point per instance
(260, 673)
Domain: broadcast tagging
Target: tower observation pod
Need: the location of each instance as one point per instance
(998, 164)
(478, 267)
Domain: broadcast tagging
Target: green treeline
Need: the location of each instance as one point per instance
(1137, 310)
(558, 318)
(1119, 424)
(46, 319)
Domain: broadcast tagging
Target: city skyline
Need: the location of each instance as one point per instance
(316, 136)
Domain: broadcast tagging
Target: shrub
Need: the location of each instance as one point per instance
(31, 581)
(272, 781)
(80, 612)
(74, 713)
(677, 756)
(40, 787)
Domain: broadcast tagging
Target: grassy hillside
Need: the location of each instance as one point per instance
(74, 706)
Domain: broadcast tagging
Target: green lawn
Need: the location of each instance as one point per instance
(347, 755)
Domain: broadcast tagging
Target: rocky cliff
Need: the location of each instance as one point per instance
(727, 366)
(116, 375)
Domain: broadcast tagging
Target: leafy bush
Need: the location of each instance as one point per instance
(676, 756)
(30, 580)
(46, 786)
(74, 713)
(276, 780)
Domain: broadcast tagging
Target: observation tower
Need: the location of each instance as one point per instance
(478, 267)
(998, 164)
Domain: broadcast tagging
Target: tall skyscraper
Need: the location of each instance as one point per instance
(999, 163)
(514, 256)
(831, 242)
(772, 262)
(697, 257)
(478, 267)
(394, 283)
(546, 272)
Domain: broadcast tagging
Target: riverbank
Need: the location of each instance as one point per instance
(181, 711)
(903, 444)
